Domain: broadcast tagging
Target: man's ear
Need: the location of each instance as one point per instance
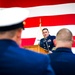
(54, 41)
(18, 36)
(19, 33)
(73, 41)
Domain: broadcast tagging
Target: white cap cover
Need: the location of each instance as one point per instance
(12, 18)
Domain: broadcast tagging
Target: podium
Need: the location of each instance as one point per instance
(36, 48)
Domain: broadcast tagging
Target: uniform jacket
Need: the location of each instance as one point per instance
(47, 43)
(17, 61)
(63, 61)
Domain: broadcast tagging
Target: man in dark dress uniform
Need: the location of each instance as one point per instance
(47, 41)
(13, 59)
(62, 59)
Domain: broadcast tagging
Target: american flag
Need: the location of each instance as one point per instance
(51, 14)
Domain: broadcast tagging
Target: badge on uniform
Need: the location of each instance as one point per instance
(49, 46)
(49, 40)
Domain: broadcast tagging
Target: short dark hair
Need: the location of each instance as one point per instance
(45, 29)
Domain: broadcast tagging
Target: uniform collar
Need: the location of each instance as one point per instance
(63, 49)
(8, 42)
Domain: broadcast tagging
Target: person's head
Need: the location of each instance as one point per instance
(64, 38)
(45, 32)
(11, 23)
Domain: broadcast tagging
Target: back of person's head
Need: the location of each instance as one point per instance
(64, 35)
(64, 38)
(11, 23)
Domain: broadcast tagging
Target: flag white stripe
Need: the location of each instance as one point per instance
(36, 32)
(51, 10)
(73, 50)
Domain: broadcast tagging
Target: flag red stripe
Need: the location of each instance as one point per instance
(27, 41)
(30, 3)
(30, 41)
(50, 21)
